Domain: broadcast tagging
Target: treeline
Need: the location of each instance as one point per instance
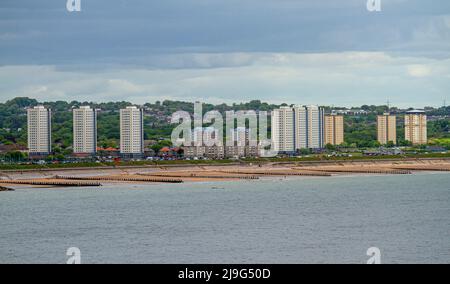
(360, 131)
(13, 120)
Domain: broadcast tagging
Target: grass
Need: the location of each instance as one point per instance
(441, 141)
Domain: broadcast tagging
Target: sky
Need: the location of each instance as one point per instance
(325, 52)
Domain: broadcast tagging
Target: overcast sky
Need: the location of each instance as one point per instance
(295, 51)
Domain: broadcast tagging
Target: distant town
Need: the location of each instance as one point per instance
(60, 132)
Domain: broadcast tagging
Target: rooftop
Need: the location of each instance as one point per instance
(416, 111)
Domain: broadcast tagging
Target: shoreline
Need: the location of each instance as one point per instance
(225, 172)
(230, 164)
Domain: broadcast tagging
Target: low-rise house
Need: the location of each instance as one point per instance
(5, 148)
(108, 152)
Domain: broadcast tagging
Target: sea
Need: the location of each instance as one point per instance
(340, 219)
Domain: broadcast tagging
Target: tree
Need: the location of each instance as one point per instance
(21, 102)
(161, 144)
(390, 144)
(15, 156)
(60, 157)
(330, 147)
(304, 151)
(360, 131)
(403, 142)
(49, 158)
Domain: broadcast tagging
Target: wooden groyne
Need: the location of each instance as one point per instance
(360, 170)
(124, 178)
(201, 176)
(2, 188)
(434, 168)
(51, 182)
(278, 173)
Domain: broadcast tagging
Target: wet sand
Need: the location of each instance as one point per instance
(196, 173)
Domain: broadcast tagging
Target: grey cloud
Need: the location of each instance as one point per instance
(294, 51)
(139, 32)
(351, 78)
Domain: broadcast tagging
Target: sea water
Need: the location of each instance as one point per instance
(277, 220)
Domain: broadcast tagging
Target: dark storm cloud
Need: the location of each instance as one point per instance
(137, 32)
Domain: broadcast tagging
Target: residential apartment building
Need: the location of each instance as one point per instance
(210, 152)
(298, 127)
(240, 136)
(334, 129)
(39, 123)
(244, 145)
(283, 137)
(309, 127)
(206, 136)
(84, 131)
(239, 147)
(387, 128)
(416, 127)
(131, 132)
(194, 151)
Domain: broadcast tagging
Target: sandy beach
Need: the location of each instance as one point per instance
(194, 173)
